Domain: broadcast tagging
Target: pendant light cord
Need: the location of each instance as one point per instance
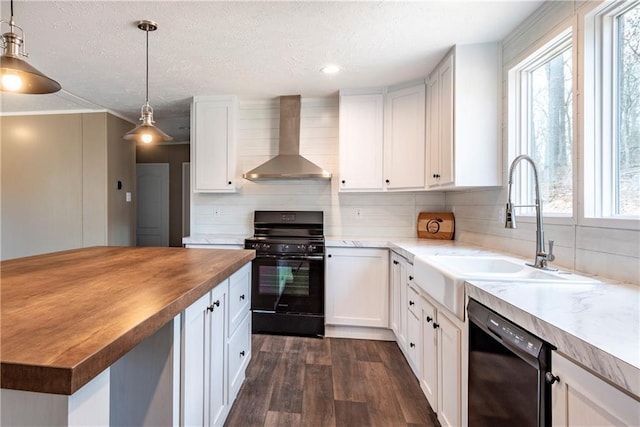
(146, 31)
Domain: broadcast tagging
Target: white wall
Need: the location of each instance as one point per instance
(58, 187)
(383, 215)
(605, 251)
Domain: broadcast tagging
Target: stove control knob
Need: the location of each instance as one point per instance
(311, 248)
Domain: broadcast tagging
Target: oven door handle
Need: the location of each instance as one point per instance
(293, 257)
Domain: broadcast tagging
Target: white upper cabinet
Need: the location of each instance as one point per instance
(463, 115)
(404, 142)
(382, 139)
(361, 141)
(213, 154)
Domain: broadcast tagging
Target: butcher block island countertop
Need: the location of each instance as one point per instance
(67, 316)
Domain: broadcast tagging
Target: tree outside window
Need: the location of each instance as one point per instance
(627, 159)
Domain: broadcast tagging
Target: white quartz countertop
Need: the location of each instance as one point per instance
(595, 324)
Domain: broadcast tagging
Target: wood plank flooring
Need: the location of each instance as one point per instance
(294, 381)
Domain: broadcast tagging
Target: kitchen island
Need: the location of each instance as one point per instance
(67, 317)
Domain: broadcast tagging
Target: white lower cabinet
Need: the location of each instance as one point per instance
(449, 350)
(239, 356)
(357, 287)
(433, 343)
(414, 330)
(580, 398)
(441, 367)
(398, 296)
(429, 377)
(213, 356)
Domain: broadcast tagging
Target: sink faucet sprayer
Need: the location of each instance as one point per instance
(510, 219)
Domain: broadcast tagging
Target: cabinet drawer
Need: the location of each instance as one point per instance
(413, 301)
(239, 356)
(239, 297)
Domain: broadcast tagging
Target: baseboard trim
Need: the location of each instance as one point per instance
(356, 332)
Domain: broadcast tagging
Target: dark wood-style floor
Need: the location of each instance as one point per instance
(293, 381)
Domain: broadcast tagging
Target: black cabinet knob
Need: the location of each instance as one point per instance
(411, 303)
(242, 353)
(410, 277)
(550, 378)
(242, 297)
(229, 182)
(386, 180)
(411, 345)
(217, 303)
(429, 319)
(395, 262)
(435, 325)
(210, 308)
(329, 256)
(344, 182)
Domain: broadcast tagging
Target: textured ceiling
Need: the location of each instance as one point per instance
(254, 49)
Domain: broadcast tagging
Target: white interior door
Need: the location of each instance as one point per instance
(153, 204)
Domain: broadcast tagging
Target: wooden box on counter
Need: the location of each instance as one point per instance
(436, 225)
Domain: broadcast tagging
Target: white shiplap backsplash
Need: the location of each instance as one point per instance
(382, 214)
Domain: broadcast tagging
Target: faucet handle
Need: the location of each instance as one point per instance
(550, 256)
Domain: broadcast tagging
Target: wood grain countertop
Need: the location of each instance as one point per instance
(67, 316)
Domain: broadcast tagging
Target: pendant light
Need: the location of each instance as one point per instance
(146, 132)
(16, 75)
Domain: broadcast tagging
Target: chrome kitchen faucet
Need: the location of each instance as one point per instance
(541, 257)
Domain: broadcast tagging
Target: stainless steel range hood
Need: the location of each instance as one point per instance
(288, 164)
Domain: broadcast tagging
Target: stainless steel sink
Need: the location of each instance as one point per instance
(443, 276)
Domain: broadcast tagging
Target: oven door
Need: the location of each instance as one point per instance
(288, 284)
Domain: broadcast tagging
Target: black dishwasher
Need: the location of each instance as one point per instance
(509, 372)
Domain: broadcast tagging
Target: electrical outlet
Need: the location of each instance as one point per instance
(358, 213)
(217, 211)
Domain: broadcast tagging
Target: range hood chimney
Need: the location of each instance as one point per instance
(288, 164)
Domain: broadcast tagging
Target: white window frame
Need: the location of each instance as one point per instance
(599, 117)
(518, 123)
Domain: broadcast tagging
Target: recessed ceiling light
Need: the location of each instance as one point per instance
(330, 69)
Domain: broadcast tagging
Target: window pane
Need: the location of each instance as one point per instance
(628, 121)
(551, 131)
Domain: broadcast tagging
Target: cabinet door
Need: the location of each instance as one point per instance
(395, 306)
(213, 144)
(217, 379)
(433, 128)
(414, 332)
(239, 297)
(404, 278)
(581, 398)
(194, 346)
(446, 120)
(357, 287)
(429, 378)
(239, 355)
(361, 139)
(404, 142)
(450, 372)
